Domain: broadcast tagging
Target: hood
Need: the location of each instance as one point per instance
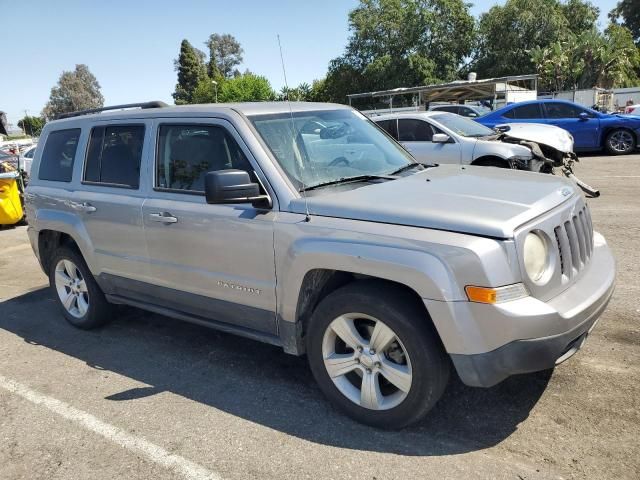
(549, 135)
(483, 201)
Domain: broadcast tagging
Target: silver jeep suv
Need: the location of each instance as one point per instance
(306, 226)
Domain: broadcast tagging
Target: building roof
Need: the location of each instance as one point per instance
(457, 90)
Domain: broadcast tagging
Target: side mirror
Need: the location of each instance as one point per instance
(584, 116)
(233, 186)
(441, 138)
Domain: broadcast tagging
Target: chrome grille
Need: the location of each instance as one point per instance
(575, 242)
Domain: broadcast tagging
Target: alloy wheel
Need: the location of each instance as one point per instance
(366, 361)
(621, 141)
(71, 288)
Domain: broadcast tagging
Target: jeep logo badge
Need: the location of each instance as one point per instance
(565, 192)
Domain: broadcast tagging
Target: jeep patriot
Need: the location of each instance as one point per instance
(306, 226)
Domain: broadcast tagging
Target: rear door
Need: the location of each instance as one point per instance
(214, 262)
(585, 131)
(109, 200)
(416, 136)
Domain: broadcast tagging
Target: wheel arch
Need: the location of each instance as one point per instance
(486, 160)
(318, 283)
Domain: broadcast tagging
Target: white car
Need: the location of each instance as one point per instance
(26, 158)
(441, 137)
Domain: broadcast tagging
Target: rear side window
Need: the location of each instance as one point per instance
(411, 130)
(531, 110)
(563, 110)
(114, 155)
(186, 153)
(56, 162)
(390, 126)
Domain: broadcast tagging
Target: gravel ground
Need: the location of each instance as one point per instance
(149, 397)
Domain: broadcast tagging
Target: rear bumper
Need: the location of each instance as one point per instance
(488, 343)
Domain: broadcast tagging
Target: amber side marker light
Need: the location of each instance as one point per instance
(496, 295)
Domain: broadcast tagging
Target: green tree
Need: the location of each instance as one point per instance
(246, 87)
(31, 125)
(629, 12)
(607, 60)
(191, 72)
(76, 90)
(581, 15)
(398, 43)
(225, 54)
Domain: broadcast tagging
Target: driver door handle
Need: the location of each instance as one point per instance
(162, 218)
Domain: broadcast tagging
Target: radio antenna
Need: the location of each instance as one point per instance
(293, 132)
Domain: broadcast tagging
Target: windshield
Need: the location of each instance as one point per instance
(461, 125)
(324, 146)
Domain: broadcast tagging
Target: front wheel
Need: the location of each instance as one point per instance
(620, 142)
(375, 354)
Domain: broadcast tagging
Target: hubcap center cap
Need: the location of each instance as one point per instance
(366, 361)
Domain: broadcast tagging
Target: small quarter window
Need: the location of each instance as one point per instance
(56, 163)
(186, 153)
(114, 155)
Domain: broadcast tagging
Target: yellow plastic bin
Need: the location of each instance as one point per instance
(10, 206)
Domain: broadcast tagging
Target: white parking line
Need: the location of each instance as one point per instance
(153, 452)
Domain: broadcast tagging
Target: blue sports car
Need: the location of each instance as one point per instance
(591, 130)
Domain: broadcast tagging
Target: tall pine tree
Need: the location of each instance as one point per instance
(191, 71)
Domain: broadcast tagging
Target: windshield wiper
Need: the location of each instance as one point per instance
(357, 178)
(412, 165)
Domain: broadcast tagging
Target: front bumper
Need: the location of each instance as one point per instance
(488, 343)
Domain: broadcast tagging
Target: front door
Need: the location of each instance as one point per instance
(416, 136)
(215, 262)
(585, 130)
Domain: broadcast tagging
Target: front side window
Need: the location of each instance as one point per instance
(186, 153)
(346, 146)
(461, 125)
(412, 130)
(114, 155)
(59, 152)
(563, 110)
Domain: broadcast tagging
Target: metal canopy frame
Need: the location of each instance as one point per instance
(459, 90)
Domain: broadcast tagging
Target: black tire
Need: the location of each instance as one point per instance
(99, 310)
(400, 311)
(620, 142)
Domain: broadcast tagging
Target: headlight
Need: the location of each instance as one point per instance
(536, 256)
(520, 161)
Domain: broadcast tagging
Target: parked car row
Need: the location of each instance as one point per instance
(617, 134)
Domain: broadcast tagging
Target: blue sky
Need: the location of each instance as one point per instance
(130, 45)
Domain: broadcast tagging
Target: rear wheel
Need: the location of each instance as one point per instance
(620, 142)
(375, 354)
(82, 302)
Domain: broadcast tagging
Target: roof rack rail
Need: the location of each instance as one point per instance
(143, 105)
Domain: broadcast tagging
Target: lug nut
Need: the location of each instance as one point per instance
(368, 370)
(378, 365)
(372, 351)
(359, 349)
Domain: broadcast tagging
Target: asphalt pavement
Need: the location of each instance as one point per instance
(150, 397)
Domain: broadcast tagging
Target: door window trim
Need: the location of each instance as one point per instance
(86, 156)
(213, 122)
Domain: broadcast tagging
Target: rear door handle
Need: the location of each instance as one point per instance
(163, 218)
(84, 207)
